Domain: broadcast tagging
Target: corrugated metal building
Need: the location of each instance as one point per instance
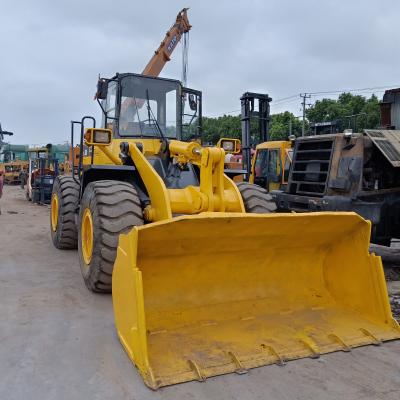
(390, 109)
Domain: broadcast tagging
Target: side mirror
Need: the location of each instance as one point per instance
(102, 89)
(98, 137)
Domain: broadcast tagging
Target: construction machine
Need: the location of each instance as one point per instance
(200, 286)
(271, 164)
(348, 172)
(43, 169)
(13, 159)
(255, 159)
(13, 170)
(73, 160)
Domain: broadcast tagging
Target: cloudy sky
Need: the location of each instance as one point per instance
(53, 51)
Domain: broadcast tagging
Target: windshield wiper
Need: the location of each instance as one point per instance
(137, 113)
(152, 118)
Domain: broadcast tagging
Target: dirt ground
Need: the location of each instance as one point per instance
(58, 341)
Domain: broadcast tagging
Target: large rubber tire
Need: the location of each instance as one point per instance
(66, 234)
(256, 199)
(114, 208)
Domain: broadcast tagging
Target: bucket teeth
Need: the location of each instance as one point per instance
(239, 366)
(311, 345)
(279, 360)
(337, 339)
(376, 341)
(196, 369)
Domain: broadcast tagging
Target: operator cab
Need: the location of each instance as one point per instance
(271, 165)
(138, 106)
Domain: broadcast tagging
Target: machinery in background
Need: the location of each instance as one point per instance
(2, 134)
(1, 180)
(348, 172)
(60, 152)
(13, 171)
(2, 167)
(233, 158)
(43, 169)
(230, 145)
(13, 159)
(162, 55)
(73, 161)
(271, 164)
(268, 162)
(238, 161)
(390, 109)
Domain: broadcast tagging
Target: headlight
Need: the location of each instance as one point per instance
(228, 146)
(101, 136)
(98, 136)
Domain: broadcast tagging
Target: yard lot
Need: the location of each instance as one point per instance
(58, 341)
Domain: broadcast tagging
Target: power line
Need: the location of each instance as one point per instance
(224, 113)
(353, 90)
(284, 103)
(362, 93)
(291, 99)
(286, 98)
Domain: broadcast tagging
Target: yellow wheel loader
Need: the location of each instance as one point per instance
(201, 287)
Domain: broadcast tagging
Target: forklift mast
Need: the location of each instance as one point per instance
(248, 100)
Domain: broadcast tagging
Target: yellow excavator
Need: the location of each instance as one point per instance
(200, 286)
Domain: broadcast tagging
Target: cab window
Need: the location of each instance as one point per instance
(273, 163)
(288, 163)
(260, 168)
(267, 163)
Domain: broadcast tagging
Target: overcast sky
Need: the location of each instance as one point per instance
(53, 51)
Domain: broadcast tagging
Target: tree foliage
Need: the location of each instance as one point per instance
(345, 110)
(230, 126)
(279, 128)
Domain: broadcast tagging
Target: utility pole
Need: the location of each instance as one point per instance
(290, 126)
(304, 96)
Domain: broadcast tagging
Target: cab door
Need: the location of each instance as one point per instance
(268, 169)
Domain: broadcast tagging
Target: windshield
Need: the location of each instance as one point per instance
(148, 106)
(265, 163)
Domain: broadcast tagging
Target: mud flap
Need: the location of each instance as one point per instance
(199, 296)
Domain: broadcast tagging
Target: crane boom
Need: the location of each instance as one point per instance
(2, 133)
(163, 54)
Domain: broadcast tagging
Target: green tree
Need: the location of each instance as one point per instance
(225, 126)
(345, 110)
(230, 126)
(279, 128)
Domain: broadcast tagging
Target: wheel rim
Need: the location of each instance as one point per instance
(87, 236)
(54, 212)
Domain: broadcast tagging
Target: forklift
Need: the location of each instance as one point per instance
(42, 171)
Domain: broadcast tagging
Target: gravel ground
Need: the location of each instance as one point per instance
(58, 340)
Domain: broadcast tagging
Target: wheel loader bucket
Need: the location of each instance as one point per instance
(204, 295)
